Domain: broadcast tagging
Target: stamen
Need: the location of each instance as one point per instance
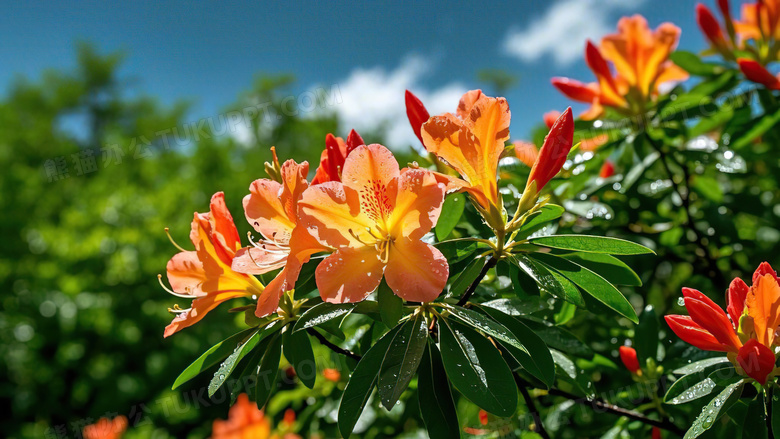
(167, 232)
(354, 235)
(177, 311)
(183, 296)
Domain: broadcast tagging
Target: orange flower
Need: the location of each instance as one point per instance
(105, 429)
(244, 421)
(760, 22)
(750, 334)
(640, 57)
(630, 360)
(331, 375)
(471, 142)
(607, 169)
(375, 220)
(205, 275)
(272, 209)
(332, 158)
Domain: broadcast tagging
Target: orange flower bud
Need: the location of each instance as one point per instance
(331, 375)
(629, 359)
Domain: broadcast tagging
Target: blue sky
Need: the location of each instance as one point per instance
(209, 51)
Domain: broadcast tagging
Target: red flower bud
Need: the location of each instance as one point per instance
(353, 141)
(758, 73)
(553, 154)
(607, 169)
(575, 90)
(416, 112)
(629, 359)
(757, 360)
(710, 27)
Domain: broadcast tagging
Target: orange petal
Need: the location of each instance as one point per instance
(711, 317)
(371, 171)
(763, 269)
(331, 160)
(608, 91)
(416, 271)
(737, 293)
(349, 274)
(259, 260)
(488, 122)
(442, 136)
(418, 203)
(200, 307)
(763, 305)
(693, 334)
(265, 212)
(293, 184)
(527, 152)
(576, 90)
(333, 216)
(757, 360)
(467, 102)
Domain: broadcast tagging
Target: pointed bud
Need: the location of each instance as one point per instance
(550, 117)
(607, 169)
(353, 141)
(416, 112)
(596, 62)
(758, 73)
(575, 90)
(710, 27)
(553, 153)
(629, 359)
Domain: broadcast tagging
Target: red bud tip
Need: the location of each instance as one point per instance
(629, 359)
(416, 112)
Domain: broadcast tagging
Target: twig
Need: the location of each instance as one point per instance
(332, 346)
(712, 265)
(529, 402)
(490, 263)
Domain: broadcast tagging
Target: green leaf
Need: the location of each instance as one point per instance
(227, 366)
(268, 372)
(476, 369)
(557, 337)
(248, 373)
(435, 396)
(391, 307)
(592, 283)
(518, 307)
(361, 382)
(402, 359)
(456, 251)
(214, 355)
(298, 351)
(466, 277)
(700, 365)
(547, 213)
(549, 280)
(758, 127)
(592, 244)
(714, 410)
(690, 387)
(451, 211)
(692, 64)
(534, 356)
(524, 287)
(609, 267)
(646, 336)
(322, 313)
(708, 187)
(775, 410)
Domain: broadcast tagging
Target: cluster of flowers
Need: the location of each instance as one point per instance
(361, 209)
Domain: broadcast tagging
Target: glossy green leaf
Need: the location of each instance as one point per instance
(402, 359)
(475, 367)
(646, 338)
(391, 307)
(549, 280)
(692, 64)
(700, 365)
(214, 355)
(298, 351)
(518, 307)
(592, 283)
(547, 213)
(758, 127)
(609, 267)
(268, 371)
(466, 277)
(456, 251)
(435, 396)
(714, 410)
(323, 313)
(558, 337)
(535, 357)
(361, 383)
(451, 211)
(592, 244)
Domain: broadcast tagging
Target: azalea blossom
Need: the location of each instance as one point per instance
(640, 58)
(471, 142)
(760, 22)
(374, 220)
(272, 209)
(205, 274)
(246, 421)
(746, 332)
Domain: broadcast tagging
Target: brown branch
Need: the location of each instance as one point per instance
(332, 346)
(529, 402)
(490, 263)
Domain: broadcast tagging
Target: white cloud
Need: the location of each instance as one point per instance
(373, 99)
(562, 30)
